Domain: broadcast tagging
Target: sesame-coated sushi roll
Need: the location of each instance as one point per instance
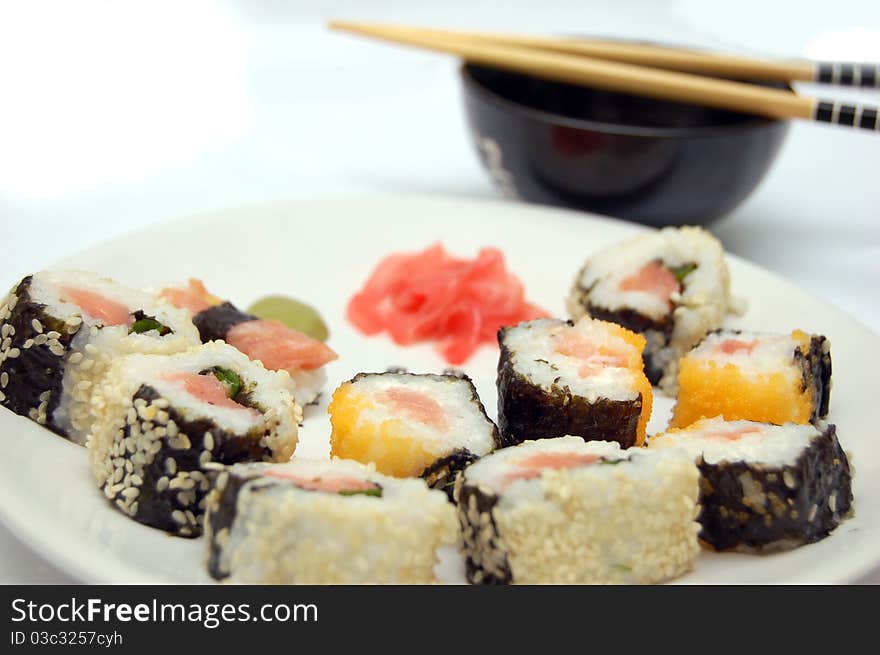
(277, 346)
(60, 330)
(556, 378)
(411, 425)
(773, 378)
(161, 420)
(565, 511)
(765, 485)
(324, 522)
(670, 286)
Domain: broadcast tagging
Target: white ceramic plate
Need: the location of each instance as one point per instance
(322, 252)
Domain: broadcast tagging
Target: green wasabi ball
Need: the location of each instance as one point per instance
(294, 314)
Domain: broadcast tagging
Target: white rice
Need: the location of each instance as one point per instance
(466, 426)
(770, 354)
(765, 444)
(533, 346)
(308, 385)
(491, 472)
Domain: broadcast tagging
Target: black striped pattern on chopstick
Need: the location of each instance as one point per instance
(845, 113)
(847, 74)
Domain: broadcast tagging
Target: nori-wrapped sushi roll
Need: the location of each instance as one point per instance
(777, 378)
(60, 330)
(162, 420)
(765, 486)
(565, 511)
(324, 522)
(277, 346)
(671, 286)
(558, 378)
(411, 425)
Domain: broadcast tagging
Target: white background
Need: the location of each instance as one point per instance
(117, 115)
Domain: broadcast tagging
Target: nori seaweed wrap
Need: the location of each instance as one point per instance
(34, 349)
(215, 322)
(765, 486)
(443, 472)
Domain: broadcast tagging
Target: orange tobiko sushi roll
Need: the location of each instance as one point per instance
(770, 378)
(410, 425)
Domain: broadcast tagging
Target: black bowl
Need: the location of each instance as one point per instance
(645, 160)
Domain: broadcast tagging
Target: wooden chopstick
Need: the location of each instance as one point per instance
(679, 59)
(625, 77)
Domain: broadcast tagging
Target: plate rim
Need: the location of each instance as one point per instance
(28, 534)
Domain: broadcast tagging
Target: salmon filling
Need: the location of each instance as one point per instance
(279, 347)
(596, 359)
(745, 377)
(655, 279)
(98, 307)
(335, 485)
(205, 388)
(415, 406)
(732, 346)
(194, 297)
(532, 466)
(734, 435)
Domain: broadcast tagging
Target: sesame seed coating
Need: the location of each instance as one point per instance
(632, 522)
(43, 348)
(262, 530)
(143, 449)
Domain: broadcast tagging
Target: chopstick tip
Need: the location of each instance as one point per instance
(343, 25)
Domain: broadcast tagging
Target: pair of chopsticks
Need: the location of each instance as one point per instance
(658, 72)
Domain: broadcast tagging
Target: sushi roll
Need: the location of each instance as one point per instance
(277, 346)
(411, 425)
(565, 511)
(670, 286)
(324, 522)
(762, 485)
(773, 378)
(558, 378)
(161, 420)
(60, 332)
